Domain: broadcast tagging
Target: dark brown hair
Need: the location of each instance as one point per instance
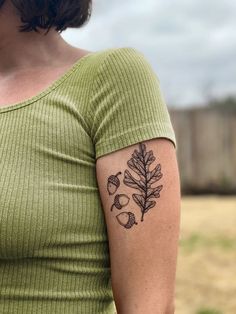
(46, 14)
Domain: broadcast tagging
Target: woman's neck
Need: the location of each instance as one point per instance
(22, 50)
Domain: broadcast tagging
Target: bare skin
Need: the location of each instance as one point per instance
(140, 192)
(25, 56)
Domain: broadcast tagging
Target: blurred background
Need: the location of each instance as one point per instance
(191, 45)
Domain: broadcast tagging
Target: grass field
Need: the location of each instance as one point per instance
(206, 268)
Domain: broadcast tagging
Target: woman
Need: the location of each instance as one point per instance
(90, 196)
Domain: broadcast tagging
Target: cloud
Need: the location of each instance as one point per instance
(190, 44)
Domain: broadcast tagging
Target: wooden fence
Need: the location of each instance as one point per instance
(206, 139)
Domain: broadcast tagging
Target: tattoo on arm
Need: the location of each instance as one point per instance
(120, 201)
(126, 219)
(140, 163)
(113, 183)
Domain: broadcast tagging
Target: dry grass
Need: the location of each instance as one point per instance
(206, 269)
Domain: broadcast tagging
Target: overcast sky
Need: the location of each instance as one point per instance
(190, 44)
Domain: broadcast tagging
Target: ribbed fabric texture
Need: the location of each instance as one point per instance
(54, 253)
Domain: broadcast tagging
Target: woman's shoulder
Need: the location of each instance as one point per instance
(118, 57)
(117, 64)
(117, 51)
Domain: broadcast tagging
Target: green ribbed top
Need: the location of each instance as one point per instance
(54, 254)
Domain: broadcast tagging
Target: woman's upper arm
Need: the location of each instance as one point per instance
(140, 193)
(135, 150)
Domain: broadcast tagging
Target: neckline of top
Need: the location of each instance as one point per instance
(48, 89)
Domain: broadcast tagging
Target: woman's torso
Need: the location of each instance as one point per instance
(54, 255)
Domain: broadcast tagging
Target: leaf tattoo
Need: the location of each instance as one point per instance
(140, 163)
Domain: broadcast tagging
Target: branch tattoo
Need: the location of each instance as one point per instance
(140, 164)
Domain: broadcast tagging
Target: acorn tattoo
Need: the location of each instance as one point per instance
(113, 183)
(126, 219)
(120, 201)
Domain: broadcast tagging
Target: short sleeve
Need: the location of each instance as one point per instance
(126, 105)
